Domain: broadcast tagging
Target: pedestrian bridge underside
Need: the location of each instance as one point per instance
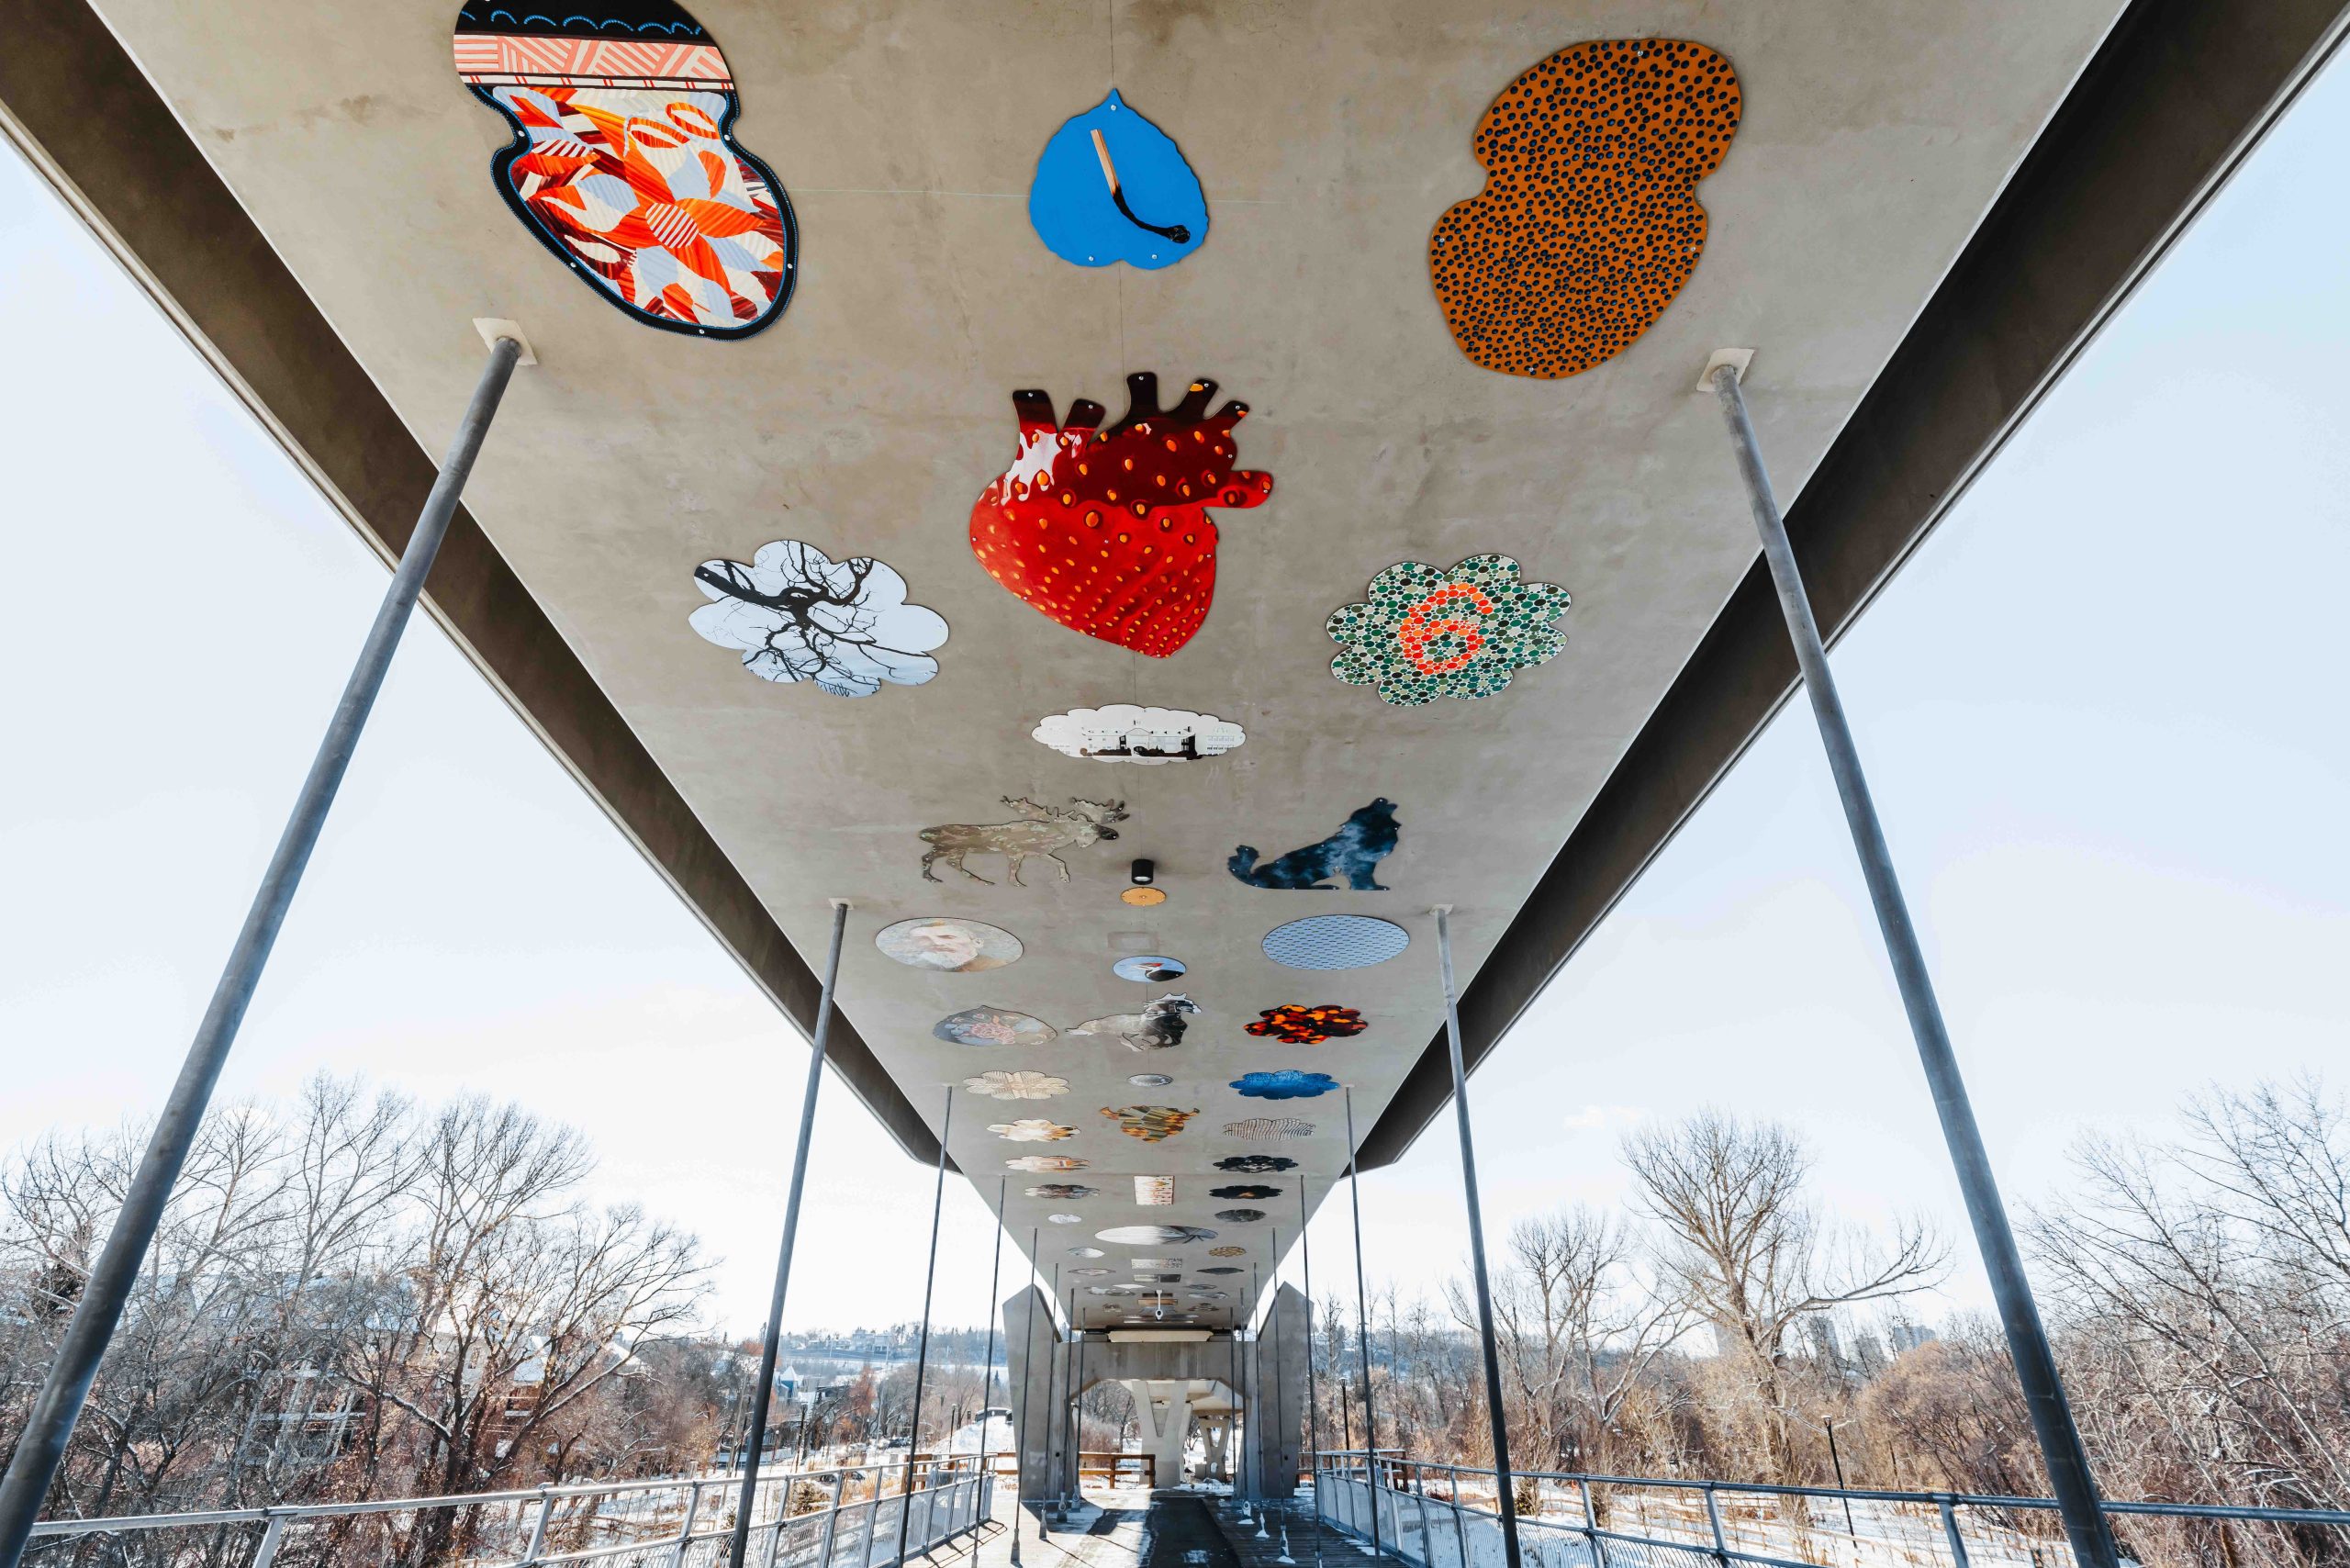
(1924, 209)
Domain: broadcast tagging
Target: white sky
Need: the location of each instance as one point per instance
(2102, 710)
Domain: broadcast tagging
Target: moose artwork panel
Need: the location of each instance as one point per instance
(1041, 830)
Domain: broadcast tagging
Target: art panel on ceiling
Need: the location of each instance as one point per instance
(1336, 942)
(1350, 854)
(1261, 1127)
(1045, 1164)
(993, 1026)
(1149, 968)
(624, 163)
(1040, 830)
(1152, 1124)
(1158, 1028)
(1128, 732)
(793, 613)
(1032, 1129)
(1256, 1164)
(1000, 1085)
(1107, 531)
(1153, 1234)
(1294, 1023)
(1589, 222)
(1110, 186)
(1427, 633)
(947, 943)
(1284, 1084)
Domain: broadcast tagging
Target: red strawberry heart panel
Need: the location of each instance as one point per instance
(1107, 531)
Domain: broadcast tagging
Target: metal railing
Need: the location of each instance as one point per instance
(1444, 1516)
(842, 1517)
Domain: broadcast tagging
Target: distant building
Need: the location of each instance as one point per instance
(1907, 1336)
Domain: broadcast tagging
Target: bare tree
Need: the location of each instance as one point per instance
(2203, 1292)
(1579, 1327)
(1749, 1251)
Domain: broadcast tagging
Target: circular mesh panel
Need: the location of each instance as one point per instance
(1336, 942)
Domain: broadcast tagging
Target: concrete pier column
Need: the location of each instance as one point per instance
(1033, 1346)
(1273, 1433)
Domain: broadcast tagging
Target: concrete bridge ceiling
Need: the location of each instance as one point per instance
(1328, 136)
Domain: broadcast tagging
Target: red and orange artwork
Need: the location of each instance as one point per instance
(1294, 1025)
(1589, 222)
(1107, 531)
(624, 161)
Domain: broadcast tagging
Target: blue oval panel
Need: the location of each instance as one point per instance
(1110, 186)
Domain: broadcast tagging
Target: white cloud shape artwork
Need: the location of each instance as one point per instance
(796, 614)
(1032, 1129)
(1017, 1085)
(1151, 736)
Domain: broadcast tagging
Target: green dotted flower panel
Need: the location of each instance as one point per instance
(1427, 633)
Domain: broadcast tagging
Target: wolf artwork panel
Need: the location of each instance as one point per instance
(1353, 853)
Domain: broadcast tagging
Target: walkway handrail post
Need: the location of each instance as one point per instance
(1714, 1518)
(1428, 1537)
(685, 1530)
(1459, 1517)
(833, 1523)
(538, 1545)
(40, 1447)
(1951, 1534)
(1590, 1524)
(2070, 1478)
(273, 1534)
(1499, 1421)
(762, 1394)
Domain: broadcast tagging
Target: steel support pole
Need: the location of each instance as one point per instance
(921, 1346)
(1262, 1430)
(987, 1360)
(1027, 1376)
(40, 1447)
(1508, 1501)
(763, 1392)
(1046, 1500)
(2052, 1418)
(1076, 1499)
(1362, 1324)
(1313, 1380)
(1282, 1432)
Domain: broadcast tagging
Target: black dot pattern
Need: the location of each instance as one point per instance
(1589, 223)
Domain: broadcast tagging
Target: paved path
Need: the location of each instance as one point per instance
(1135, 1528)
